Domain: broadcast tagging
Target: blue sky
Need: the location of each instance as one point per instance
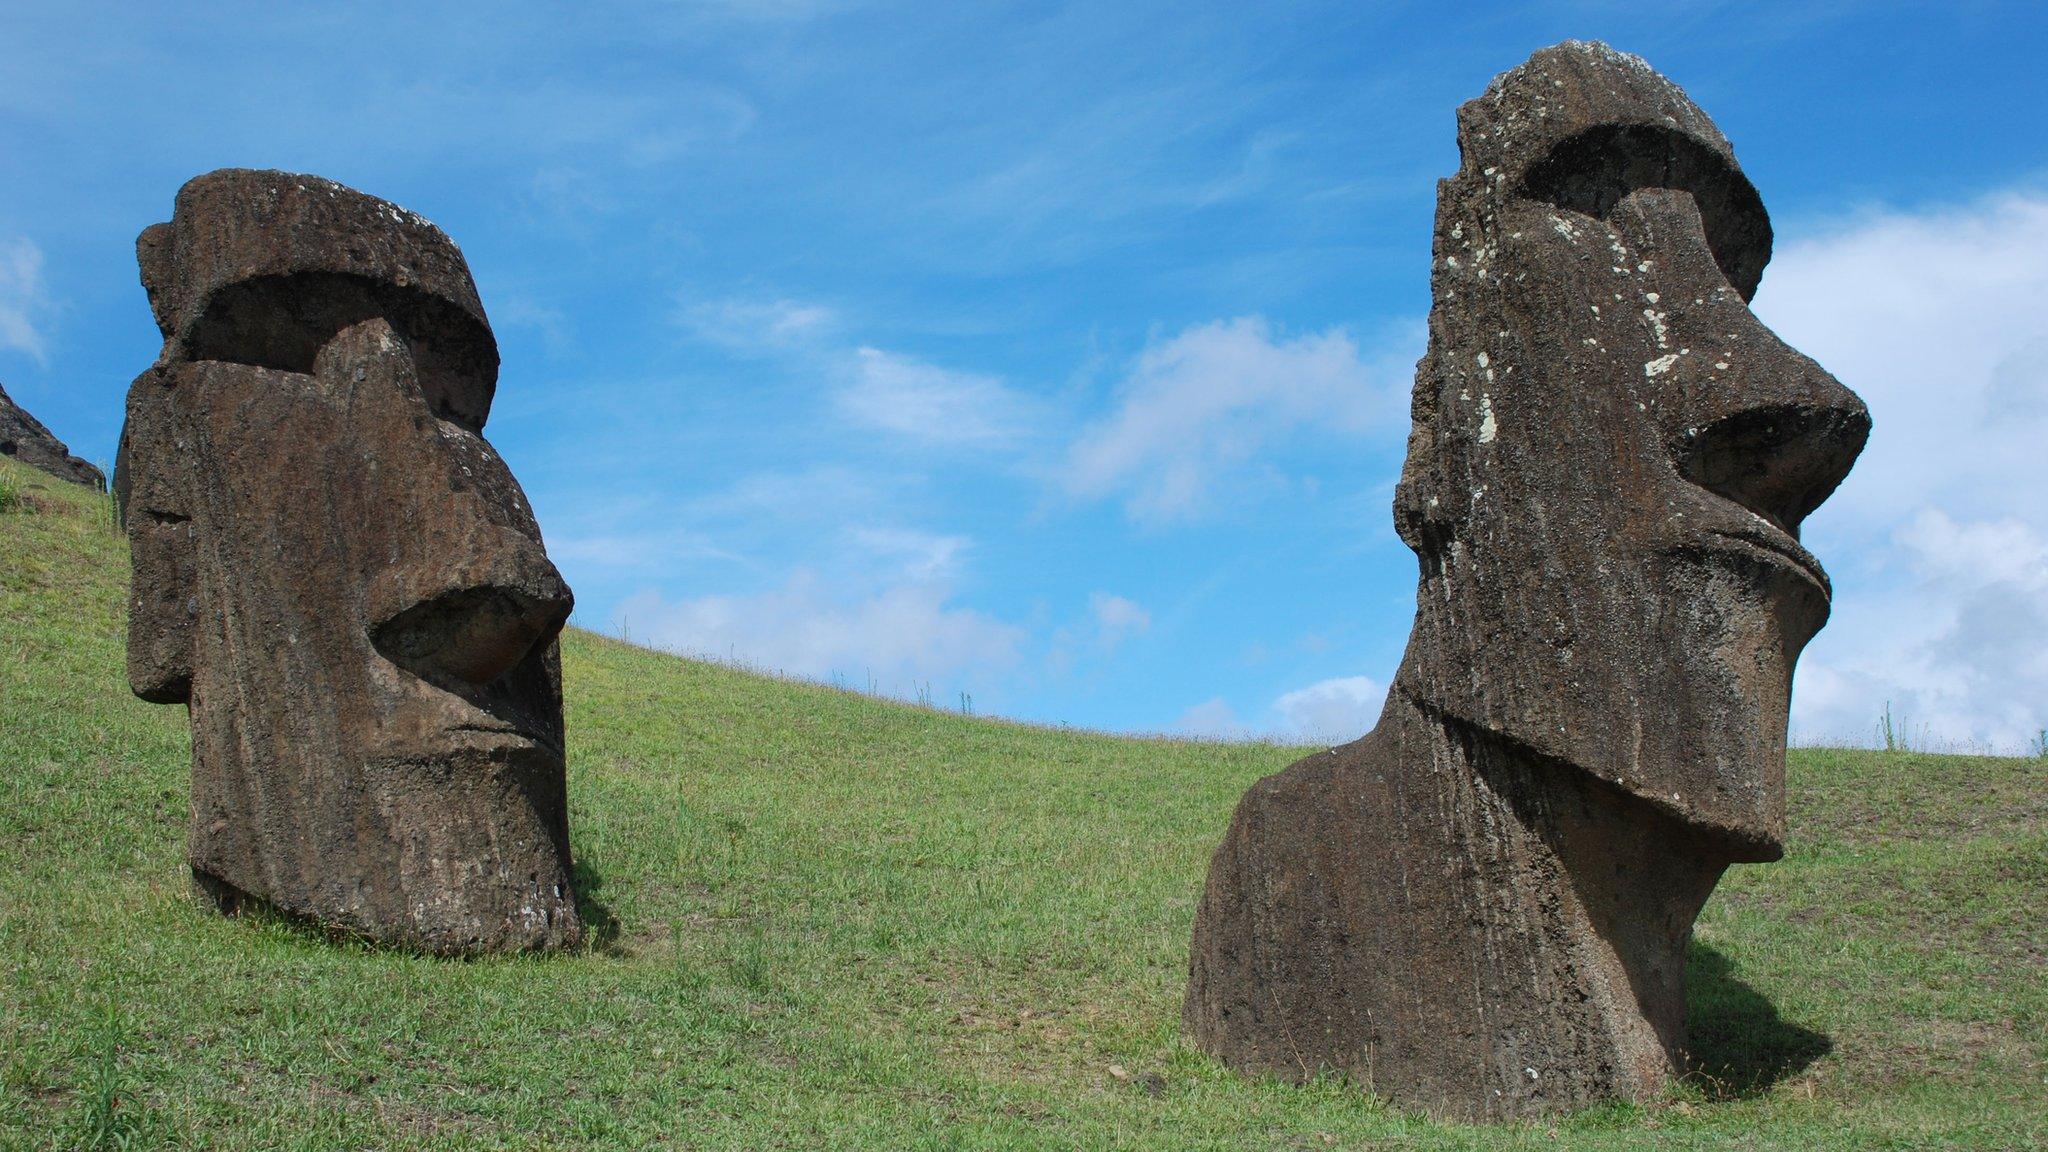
(1059, 355)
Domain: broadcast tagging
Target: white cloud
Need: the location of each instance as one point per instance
(1939, 538)
(1199, 407)
(901, 636)
(1331, 711)
(875, 389)
(1978, 554)
(1110, 621)
(1117, 616)
(556, 330)
(1213, 719)
(647, 550)
(22, 299)
(824, 492)
(571, 193)
(913, 556)
(898, 394)
(758, 325)
(1334, 711)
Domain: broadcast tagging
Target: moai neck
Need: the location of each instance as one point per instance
(1572, 881)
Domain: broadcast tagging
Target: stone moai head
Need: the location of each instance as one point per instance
(340, 577)
(1611, 455)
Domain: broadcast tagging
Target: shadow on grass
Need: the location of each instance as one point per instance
(1739, 1045)
(600, 927)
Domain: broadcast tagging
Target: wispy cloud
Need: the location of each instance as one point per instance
(1213, 719)
(556, 330)
(1940, 320)
(23, 301)
(1331, 711)
(930, 405)
(899, 636)
(759, 325)
(910, 556)
(825, 492)
(909, 399)
(645, 550)
(1117, 617)
(1197, 409)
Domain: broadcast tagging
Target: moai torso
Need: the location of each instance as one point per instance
(1482, 907)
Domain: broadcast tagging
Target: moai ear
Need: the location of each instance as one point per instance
(151, 484)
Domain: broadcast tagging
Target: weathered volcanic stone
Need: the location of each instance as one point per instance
(1481, 908)
(340, 577)
(23, 438)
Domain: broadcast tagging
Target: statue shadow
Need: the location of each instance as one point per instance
(600, 926)
(1738, 1045)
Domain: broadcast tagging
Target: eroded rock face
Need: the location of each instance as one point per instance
(340, 577)
(23, 438)
(1481, 908)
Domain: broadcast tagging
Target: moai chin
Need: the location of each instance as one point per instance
(338, 575)
(1481, 908)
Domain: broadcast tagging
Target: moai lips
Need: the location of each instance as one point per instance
(1482, 907)
(341, 578)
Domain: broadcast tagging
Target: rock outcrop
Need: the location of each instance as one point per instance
(23, 438)
(338, 575)
(1482, 907)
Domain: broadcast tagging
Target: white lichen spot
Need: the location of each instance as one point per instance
(1487, 427)
(1721, 365)
(1482, 359)
(1660, 365)
(1657, 328)
(1650, 296)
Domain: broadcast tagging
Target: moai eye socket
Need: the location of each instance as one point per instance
(283, 322)
(1595, 170)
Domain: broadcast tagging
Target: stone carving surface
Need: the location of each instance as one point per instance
(1482, 907)
(23, 438)
(341, 577)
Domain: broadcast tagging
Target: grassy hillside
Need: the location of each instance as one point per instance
(831, 921)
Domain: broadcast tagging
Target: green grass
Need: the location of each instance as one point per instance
(831, 921)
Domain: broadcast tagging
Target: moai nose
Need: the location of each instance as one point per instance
(478, 632)
(1777, 439)
(468, 596)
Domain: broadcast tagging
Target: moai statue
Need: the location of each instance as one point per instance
(338, 575)
(1481, 908)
